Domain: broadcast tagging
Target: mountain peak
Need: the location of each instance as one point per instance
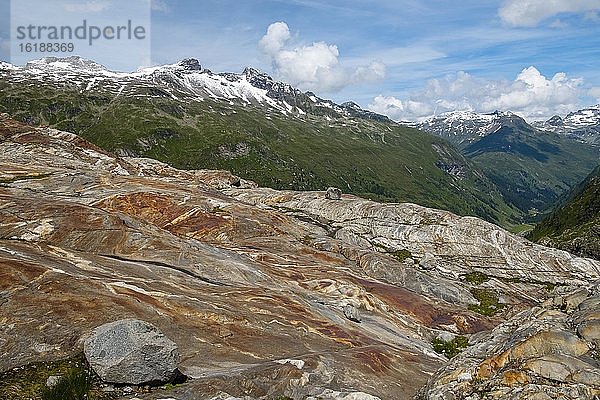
(190, 64)
(351, 104)
(254, 73)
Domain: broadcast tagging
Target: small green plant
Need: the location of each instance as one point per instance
(307, 240)
(549, 286)
(488, 302)
(450, 348)
(76, 384)
(401, 255)
(476, 277)
(29, 382)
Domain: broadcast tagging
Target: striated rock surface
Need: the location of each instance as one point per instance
(443, 242)
(262, 291)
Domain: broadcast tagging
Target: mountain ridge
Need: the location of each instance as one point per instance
(260, 129)
(582, 125)
(190, 70)
(532, 167)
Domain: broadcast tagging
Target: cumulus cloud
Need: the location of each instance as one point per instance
(531, 12)
(530, 94)
(315, 66)
(90, 6)
(278, 33)
(398, 109)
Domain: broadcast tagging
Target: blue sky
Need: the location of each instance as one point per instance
(405, 58)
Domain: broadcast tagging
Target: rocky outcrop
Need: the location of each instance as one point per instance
(333, 193)
(130, 351)
(550, 350)
(266, 293)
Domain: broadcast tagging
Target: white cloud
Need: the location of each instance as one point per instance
(531, 12)
(159, 5)
(277, 34)
(398, 109)
(90, 6)
(315, 66)
(595, 93)
(530, 94)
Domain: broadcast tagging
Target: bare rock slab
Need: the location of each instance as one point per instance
(131, 352)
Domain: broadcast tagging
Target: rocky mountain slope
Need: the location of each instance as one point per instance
(266, 293)
(575, 225)
(533, 168)
(582, 125)
(250, 124)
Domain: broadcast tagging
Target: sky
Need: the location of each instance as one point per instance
(407, 59)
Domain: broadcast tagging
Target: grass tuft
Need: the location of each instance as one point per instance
(488, 302)
(76, 384)
(29, 382)
(476, 277)
(401, 255)
(450, 348)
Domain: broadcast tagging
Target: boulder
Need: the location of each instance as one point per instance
(590, 330)
(132, 352)
(352, 313)
(333, 193)
(428, 261)
(53, 380)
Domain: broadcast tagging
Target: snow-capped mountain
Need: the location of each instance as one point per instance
(465, 127)
(532, 167)
(248, 123)
(186, 80)
(582, 125)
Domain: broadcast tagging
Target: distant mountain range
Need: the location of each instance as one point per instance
(465, 127)
(582, 125)
(258, 128)
(532, 165)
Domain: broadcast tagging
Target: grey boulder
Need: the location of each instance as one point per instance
(131, 352)
(333, 193)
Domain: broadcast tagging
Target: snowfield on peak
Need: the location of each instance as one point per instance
(582, 125)
(186, 80)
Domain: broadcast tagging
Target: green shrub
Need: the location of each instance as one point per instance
(451, 347)
(401, 255)
(476, 277)
(488, 302)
